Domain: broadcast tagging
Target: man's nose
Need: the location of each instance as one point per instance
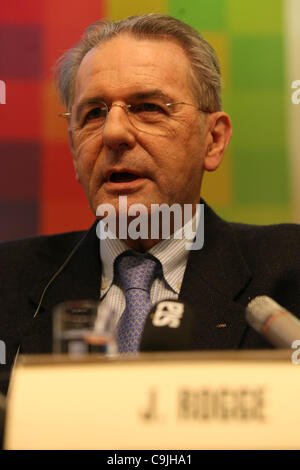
(118, 130)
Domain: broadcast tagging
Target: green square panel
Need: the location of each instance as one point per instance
(258, 120)
(256, 214)
(257, 63)
(255, 16)
(261, 178)
(204, 15)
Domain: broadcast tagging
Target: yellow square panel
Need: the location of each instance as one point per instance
(220, 44)
(217, 185)
(117, 10)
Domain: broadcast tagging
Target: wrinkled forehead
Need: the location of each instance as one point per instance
(125, 63)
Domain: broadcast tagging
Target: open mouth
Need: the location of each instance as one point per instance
(122, 177)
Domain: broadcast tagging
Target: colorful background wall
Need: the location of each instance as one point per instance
(257, 43)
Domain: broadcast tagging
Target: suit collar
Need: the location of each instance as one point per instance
(213, 280)
(220, 262)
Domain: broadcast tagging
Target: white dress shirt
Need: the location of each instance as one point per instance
(171, 253)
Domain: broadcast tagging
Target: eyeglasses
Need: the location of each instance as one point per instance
(150, 117)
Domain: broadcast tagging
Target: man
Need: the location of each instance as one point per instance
(143, 101)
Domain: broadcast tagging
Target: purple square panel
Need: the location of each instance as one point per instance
(20, 51)
(18, 219)
(19, 163)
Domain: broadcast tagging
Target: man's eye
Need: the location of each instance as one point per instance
(95, 113)
(147, 108)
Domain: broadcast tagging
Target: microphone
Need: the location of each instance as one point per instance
(274, 322)
(168, 327)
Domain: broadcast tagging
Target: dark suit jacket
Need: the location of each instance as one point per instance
(237, 263)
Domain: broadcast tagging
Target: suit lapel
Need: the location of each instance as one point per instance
(80, 278)
(214, 278)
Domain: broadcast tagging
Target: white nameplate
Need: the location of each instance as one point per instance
(236, 400)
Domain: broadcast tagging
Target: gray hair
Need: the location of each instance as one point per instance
(205, 69)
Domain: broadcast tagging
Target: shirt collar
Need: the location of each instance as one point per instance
(171, 253)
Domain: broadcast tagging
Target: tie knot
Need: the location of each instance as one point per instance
(137, 271)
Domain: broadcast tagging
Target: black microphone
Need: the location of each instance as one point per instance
(273, 321)
(169, 327)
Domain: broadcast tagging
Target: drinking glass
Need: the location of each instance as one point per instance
(83, 327)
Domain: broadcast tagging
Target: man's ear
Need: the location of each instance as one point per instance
(219, 131)
(71, 145)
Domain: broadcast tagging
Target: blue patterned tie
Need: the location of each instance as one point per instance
(137, 275)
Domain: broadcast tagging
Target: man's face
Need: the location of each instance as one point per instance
(121, 160)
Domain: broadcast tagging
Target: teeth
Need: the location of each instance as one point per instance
(122, 177)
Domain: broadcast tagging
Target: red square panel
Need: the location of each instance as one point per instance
(64, 216)
(21, 11)
(21, 115)
(65, 22)
(63, 205)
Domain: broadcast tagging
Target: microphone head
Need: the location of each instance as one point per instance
(260, 309)
(276, 324)
(168, 327)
